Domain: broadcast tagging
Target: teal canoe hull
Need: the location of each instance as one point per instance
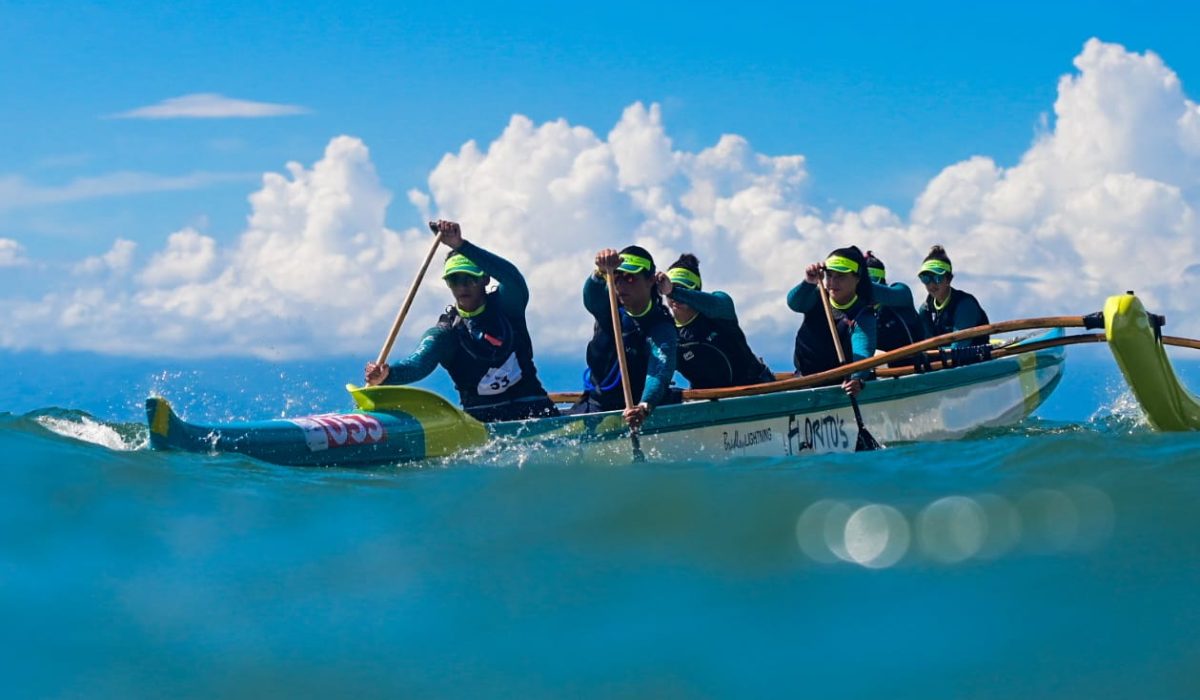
(945, 404)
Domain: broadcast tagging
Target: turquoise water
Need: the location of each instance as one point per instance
(1056, 559)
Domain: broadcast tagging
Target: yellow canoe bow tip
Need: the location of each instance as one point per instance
(161, 423)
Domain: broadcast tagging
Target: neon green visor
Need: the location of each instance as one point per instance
(633, 264)
(877, 274)
(461, 263)
(838, 263)
(937, 267)
(684, 278)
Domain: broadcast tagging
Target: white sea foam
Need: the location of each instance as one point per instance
(90, 430)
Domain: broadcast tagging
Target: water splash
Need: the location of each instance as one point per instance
(1120, 413)
(81, 426)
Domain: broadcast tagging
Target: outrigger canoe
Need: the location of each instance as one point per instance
(1136, 340)
(791, 417)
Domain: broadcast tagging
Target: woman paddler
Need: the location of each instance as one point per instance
(850, 295)
(897, 322)
(947, 309)
(647, 331)
(482, 340)
(713, 351)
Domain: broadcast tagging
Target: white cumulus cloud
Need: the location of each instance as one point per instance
(207, 105)
(188, 257)
(118, 259)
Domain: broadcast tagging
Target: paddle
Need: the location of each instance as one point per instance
(412, 293)
(866, 442)
(619, 339)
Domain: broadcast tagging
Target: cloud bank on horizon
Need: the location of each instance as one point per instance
(1103, 200)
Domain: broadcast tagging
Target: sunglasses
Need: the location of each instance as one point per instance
(626, 277)
(461, 279)
(931, 278)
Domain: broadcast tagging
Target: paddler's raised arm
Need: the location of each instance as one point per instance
(896, 294)
(513, 291)
(595, 287)
(716, 305)
(595, 299)
(803, 297)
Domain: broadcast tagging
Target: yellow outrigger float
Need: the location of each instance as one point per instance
(1136, 340)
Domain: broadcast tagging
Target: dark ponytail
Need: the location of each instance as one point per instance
(688, 262)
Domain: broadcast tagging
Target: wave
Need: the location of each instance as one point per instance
(80, 425)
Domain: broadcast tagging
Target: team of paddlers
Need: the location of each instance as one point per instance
(484, 344)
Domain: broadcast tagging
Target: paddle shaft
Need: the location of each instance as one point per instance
(837, 343)
(408, 300)
(841, 353)
(619, 339)
(622, 363)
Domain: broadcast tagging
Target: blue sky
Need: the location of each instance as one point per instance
(878, 97)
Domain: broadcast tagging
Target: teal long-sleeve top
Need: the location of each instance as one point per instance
(662, 342)
(805, 299)
(967, 314)
(716, 305)
(438, 344)
(896, 295)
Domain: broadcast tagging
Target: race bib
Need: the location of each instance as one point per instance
(498, 379)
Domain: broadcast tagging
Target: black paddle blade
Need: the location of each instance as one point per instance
(638, 455)
(866, 442)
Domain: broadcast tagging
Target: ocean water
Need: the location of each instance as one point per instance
(1059, 558)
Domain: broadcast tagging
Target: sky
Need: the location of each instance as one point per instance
(252, 178)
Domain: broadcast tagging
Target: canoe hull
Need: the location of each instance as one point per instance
(944, 405)
(319, 440)
(940, 405)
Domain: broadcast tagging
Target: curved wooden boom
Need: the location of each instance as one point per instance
(876, 361)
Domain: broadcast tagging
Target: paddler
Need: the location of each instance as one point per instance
(850, 295)
(897, 322)
(947, 309)
(647, 331)
(481, 340)
(713, 351)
